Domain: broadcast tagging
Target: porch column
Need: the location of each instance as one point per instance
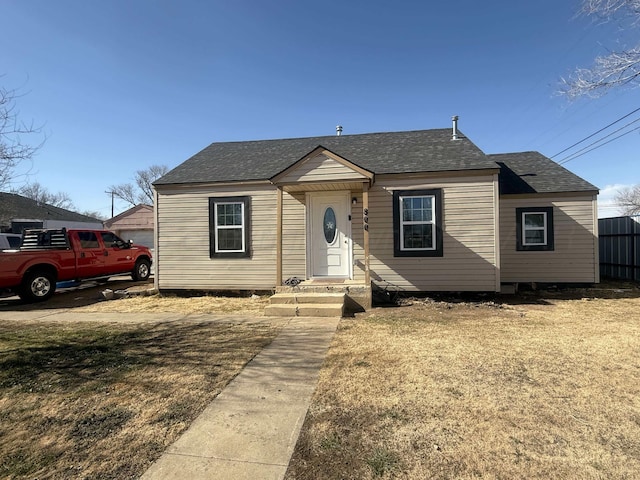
(365, 224)
(279, 237)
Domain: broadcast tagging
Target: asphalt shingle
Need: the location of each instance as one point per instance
(380, 153)
(392, 152)
(16, 206)
(532, 172)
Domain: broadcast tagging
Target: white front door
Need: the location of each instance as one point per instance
(329, 234)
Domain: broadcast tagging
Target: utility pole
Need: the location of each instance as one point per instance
(112, 194)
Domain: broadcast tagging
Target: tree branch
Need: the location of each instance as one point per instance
(629, 200)
(614, 70)
(12, 149)
(618, 68)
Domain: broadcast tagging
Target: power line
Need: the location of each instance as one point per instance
(593, 134)
(598, 141)
(568, 159)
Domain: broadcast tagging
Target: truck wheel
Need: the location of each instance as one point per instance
(37, 286)
(142, 270)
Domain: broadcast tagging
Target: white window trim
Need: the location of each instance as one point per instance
(432, 223)
(543, 228)
(228, 227)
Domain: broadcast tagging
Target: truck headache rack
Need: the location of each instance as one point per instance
(45, 239)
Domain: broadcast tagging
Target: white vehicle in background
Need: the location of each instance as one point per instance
(10, 241)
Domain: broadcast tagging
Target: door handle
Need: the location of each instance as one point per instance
(106, 253)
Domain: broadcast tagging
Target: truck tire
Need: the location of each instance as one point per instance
(37, 286)
(142, 270)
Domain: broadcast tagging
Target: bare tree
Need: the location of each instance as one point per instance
(41, 194)
(629, 200)
(142, 191)
(13, 150)
(144, 179)
(617, 68)
(93, 214)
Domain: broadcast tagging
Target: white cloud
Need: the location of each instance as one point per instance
(606, 202)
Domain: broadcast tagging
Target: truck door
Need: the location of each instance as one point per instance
(89, 254)
(118, 256)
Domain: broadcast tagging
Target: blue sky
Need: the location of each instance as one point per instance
(121, 85)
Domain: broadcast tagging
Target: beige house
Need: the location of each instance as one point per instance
(409, 211)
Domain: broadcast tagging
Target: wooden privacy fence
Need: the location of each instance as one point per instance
(620, 247)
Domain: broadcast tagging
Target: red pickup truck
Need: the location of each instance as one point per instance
(46, 257)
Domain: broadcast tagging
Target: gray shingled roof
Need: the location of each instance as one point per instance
(532, 172)
(16, 206)
(394, 152)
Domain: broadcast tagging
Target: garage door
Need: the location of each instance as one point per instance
(140, 237)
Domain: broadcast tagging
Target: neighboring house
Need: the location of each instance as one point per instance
(18, 213)
(135, 224)
(414, 211)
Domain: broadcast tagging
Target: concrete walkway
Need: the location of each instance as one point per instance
(250, 430)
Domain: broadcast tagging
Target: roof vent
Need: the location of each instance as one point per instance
(339, 130)
(454, 135)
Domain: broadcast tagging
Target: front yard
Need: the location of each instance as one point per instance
(542, 386)
(103, 400)
(546, 389)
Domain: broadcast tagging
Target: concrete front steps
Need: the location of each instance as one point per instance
(306, 304)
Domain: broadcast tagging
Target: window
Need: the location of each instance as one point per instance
(534, 228)
(229, 227)
(88, 240)
(14, 241)
(417, 223)
(329, 226)
(111, 240)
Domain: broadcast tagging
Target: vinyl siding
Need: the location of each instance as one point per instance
(357, 237)
(182, 253)
(469, 244)
(294, 236)
(320, 169)
(574, 258)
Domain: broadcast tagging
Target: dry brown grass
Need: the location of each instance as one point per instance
(173, 303)
(545, 390)
(102, 401)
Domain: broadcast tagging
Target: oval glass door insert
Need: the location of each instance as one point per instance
(329, 225)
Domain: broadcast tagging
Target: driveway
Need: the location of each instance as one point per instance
(85, 294)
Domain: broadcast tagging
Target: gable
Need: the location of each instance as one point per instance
(140, 216)
(321, 166)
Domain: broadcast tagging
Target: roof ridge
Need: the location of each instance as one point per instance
(310, 137)
(515, 153)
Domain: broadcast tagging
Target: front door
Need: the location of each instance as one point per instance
(329, 232)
